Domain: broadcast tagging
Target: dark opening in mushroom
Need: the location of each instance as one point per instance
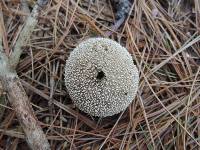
(100, 75)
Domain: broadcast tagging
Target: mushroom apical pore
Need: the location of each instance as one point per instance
(100, 77)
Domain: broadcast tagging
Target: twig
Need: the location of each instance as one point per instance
(17, 97)
(26, 32)
(19, 101)
(2, 100)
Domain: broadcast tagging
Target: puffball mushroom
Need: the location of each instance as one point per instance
(100, 77)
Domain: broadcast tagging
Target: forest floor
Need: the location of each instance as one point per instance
(163, 37)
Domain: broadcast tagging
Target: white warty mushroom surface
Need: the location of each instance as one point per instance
(100, 77)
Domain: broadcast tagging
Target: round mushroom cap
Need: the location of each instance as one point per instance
(100, 77)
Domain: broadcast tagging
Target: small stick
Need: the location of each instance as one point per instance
(17, 97)
(28, 28)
